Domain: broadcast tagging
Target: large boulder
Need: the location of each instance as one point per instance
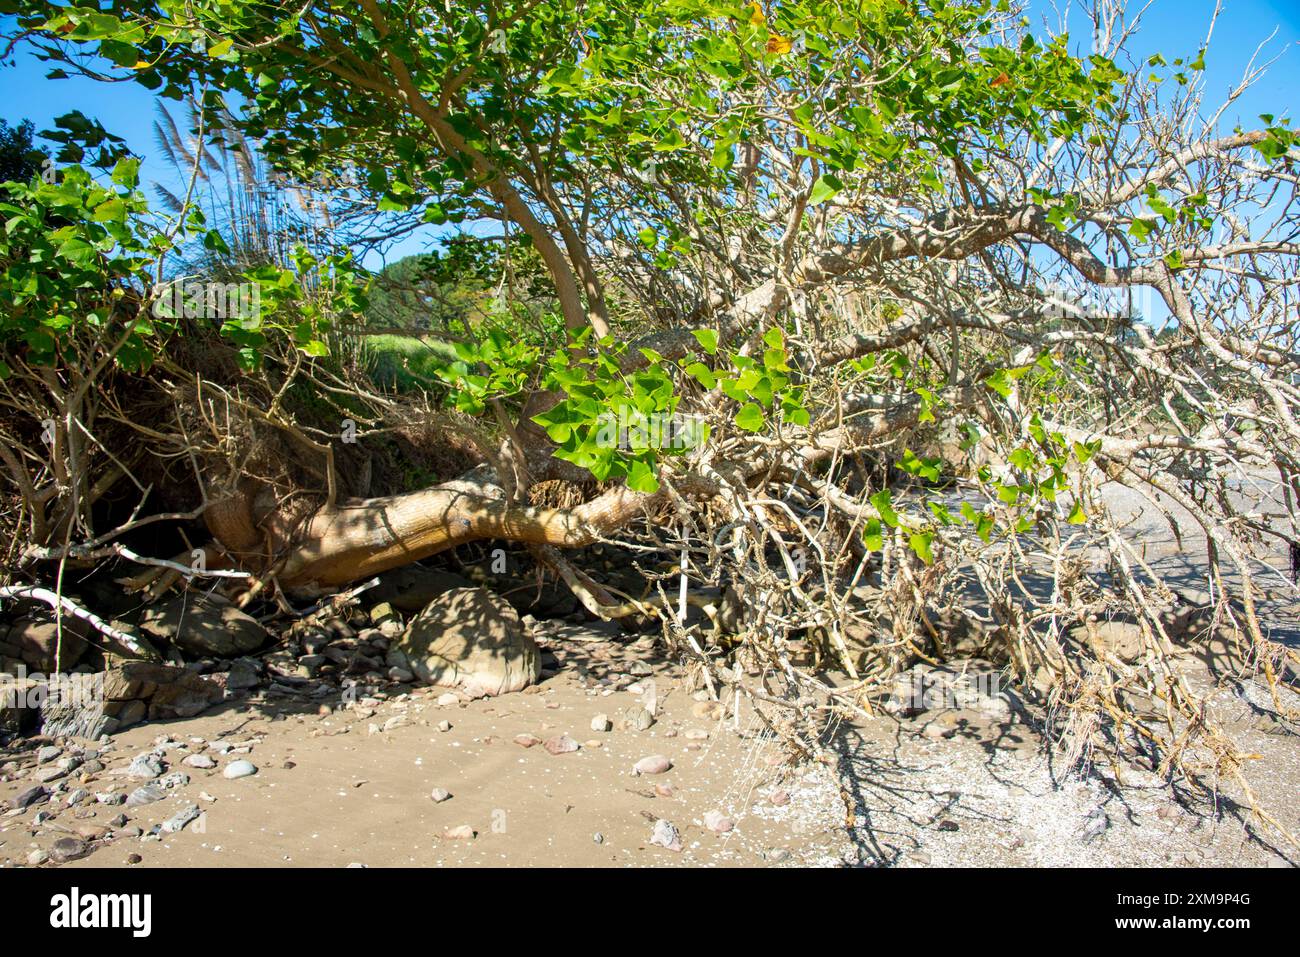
(204, 626)
(35, 637)
(469, 638)
(86, 706)
(19, 703)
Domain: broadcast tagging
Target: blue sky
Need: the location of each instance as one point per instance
(1171, 27)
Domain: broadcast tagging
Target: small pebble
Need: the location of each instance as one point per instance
(652, 764)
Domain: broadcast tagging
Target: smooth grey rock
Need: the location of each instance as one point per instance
(184, 816)
(146, 794)
(239, 769)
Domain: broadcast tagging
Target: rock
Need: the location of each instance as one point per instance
(36, 637)
(47, 754)
(204, 626)
(600, 723)
(239, 769)
(527, 740)
(145, 794)
(711, 710)
(561, 744)
(201, 761)
(37, 857)
(171, 692)
(177, 779)
(780, 798)
(68, 849)
(130, 714)
(19, 703)
(244, 673)
(444, 726)
(665, 834)
(184, 816)
(439, 795)
(936, 731)
(75, 708)
(717, 822)
(134, 858)
(653, 764)
(33, 795)
(598, 838)
(184, 698)
(47, 775)
(412, 587)
(638, 719)
(461, 832)
(1123, 639)
(76, 797)
(110, 798)
(382, 613)
(448, 699)
(145, 767)
(1095, 825)
(697, 734)
(469, 637)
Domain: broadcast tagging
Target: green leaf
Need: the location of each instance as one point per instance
(641, 477)
(826, 186)
(750, 417)
(882, 502)
(702, 374)
(707, 338)
(110, 211)
(919, 542)
(1077, 515)
(1084, 451)
(1000, 382)
(127, 172)
(76, 250)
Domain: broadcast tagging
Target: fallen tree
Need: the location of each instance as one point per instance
(895, 290)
